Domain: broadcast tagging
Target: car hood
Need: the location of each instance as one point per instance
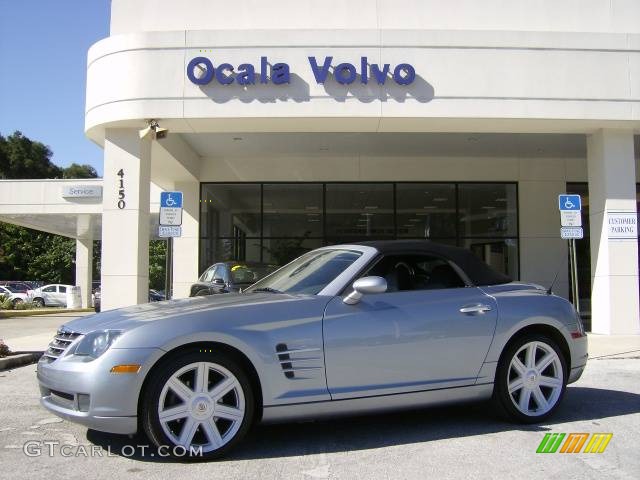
(213, 307)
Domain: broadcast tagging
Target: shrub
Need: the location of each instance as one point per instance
(6, 303)
(4, 349)
(26, 306)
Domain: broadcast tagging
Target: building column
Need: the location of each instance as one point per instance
(84, 258)
(614, 262)
(186, 247)
(125, 219)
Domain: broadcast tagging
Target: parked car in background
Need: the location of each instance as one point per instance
(16, 297)
(346, 329)
(228, 277)
(155, 295)
(17, 286)
(54, 295)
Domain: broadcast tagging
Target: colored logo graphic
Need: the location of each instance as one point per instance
(574, 443)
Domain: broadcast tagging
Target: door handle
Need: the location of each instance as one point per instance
(475, 309)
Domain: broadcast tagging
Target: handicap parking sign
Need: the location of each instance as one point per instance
(171, 199)
(569, 202)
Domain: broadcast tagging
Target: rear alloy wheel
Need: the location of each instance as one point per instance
(531, 379)
(199, 407)
(39, 302)
(17, 301)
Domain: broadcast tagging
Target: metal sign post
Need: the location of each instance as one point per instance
(170, 227)
(571, 229)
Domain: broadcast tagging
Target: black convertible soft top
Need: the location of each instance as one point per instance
(478, 272)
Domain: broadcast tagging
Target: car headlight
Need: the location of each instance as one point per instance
(96, 343)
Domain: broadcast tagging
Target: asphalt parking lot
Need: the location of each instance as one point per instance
(455, 442)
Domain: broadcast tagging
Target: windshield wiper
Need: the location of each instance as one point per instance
(267, 289)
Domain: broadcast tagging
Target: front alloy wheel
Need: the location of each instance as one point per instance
(531, 379)
(203, 405)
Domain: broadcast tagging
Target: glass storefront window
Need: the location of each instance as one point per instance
(225, 249)
(227, 208)
(293, 210)
(358, 211)
(426, 210)
(488, 209)
(274, 223)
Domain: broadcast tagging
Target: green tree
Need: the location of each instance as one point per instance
(79, 171)
(21, 157)
(27, 254)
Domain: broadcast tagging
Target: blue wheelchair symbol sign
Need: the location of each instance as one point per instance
(569, 202)
(171, 199)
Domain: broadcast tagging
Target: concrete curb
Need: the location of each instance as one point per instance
(19, 360)
(44, 311)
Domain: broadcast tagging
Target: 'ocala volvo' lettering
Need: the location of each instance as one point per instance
(202, 71)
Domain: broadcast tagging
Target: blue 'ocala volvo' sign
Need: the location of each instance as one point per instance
(202, 71)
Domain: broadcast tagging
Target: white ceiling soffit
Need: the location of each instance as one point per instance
(388, 144)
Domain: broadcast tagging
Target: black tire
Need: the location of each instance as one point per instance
(153, 390)
(16, 301)
(39, 302)
(503, 400)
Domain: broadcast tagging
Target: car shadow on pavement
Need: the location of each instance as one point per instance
(384, 430)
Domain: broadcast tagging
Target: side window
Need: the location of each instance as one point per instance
(416, 272)
(207, 276)
(51, 289)
(62, 289)
(219, 272)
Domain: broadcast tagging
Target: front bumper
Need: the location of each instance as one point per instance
(89, 394)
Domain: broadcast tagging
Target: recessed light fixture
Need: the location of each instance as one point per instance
(370, 207)
(439, 199)
(414, 220)
(237, 139)
(501, 199)
(311, 207)
(429, 207)
(488, 207)
(324, 149)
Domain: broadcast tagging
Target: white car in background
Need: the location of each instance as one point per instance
(16, 297)
(54, 295)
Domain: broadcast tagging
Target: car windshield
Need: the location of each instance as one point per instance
(309, 273)
(241, 273)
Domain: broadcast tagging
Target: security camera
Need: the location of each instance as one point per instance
(154, 130)
(161, 133)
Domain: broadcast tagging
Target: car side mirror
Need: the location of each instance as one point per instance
(365, 285)
(218, 281)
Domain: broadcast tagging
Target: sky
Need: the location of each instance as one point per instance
(43, 61)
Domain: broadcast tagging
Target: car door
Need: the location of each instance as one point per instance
(428, 337)
(61, 295)
(49, 295)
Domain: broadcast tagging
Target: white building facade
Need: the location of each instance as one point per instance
(298, 124)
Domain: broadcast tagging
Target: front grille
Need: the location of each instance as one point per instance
(59, 344)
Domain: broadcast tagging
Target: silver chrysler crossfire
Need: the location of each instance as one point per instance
(347, 329)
